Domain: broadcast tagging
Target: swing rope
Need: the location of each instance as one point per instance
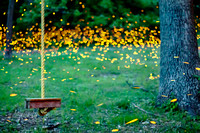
(42, 50)
(44, 104)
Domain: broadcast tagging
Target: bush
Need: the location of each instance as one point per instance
(106, 13)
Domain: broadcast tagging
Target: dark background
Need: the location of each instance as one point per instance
(105, 13)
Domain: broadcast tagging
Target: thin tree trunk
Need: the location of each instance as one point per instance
(8, 52)
(179, 55)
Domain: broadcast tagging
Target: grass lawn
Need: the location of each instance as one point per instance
(97, 86)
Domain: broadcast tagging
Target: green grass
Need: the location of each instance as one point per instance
(95, 83)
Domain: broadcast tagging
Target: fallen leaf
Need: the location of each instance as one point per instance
(163, 96)
(176, 56)
(97, 122)
(186, 62)
(100, 104)
(132, 121)
(115, 130)
(197, 68)
(152, 122)
(136, 87)
(12, 95)
(72, 91)
(173, 100)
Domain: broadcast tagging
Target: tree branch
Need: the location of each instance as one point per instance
(144, 110)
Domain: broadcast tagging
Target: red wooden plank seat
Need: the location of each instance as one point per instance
(43, 102)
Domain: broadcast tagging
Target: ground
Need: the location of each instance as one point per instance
(103, 89)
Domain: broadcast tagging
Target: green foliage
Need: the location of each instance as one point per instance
(197, 76)
(107, 5)
(146, 3)
(98, 20)
(170, 106)
(77, 13)
(90, 12)
(123, 104)
(123, 118)
(26, 15)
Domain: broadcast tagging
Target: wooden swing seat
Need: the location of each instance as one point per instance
(43, 102)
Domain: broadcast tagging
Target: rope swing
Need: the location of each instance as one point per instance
(44, 104)
(42, 50)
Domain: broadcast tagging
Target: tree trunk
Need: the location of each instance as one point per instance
(179, 55)
(8, 52)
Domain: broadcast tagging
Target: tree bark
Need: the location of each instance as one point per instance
(179, 55)
(8, 52)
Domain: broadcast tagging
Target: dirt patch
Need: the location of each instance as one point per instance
(28, 120)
